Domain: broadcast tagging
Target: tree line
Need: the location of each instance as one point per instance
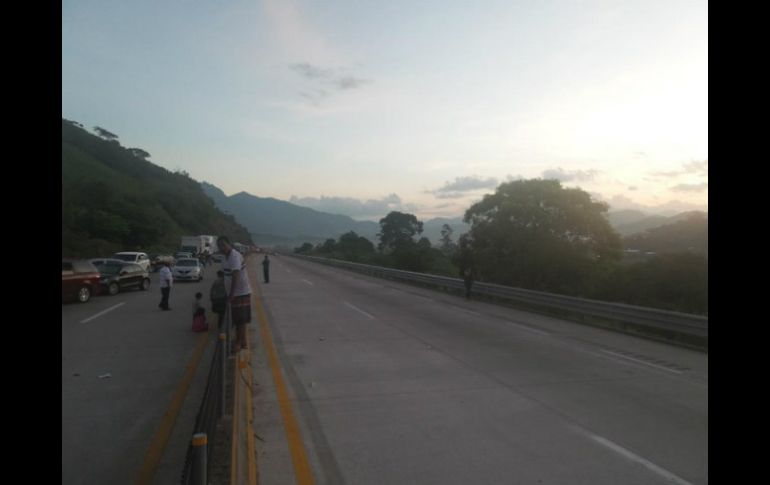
(534, 234)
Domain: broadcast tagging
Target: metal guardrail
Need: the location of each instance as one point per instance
(201, 447)
(679, 323)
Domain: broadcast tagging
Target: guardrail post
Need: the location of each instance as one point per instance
(198, 474)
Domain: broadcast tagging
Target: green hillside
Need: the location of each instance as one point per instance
(113, 199)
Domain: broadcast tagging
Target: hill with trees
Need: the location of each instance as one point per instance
(115, 199)
(688, 234)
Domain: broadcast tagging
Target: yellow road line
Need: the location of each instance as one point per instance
(302, 473)
(162, 435)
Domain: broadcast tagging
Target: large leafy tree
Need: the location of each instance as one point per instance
(537, 234)
(397, 231)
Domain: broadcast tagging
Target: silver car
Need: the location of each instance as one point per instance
(189, 269)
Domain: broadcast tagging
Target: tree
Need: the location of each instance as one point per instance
(353, 247)
(397, 230)
(304, 249)
(105, 134)
(139, 153)
(537, 234)
(327, 247)
(448, 247)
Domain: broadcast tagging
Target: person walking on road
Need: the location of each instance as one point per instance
(239, 290)
(266, 269)
(166, 282)
(218, 297)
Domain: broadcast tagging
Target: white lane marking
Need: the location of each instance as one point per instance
(358, 310)
(469, 311)
(642, 362)
(102, 312)
(652, 466)
(308, 282)
(529, 329)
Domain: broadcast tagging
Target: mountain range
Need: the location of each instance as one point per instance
(277, 222)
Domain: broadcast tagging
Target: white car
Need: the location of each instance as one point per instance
(134, 257)
(187, 269)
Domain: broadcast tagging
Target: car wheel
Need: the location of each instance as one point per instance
(84, 294)
(146, 284)
(113, 288)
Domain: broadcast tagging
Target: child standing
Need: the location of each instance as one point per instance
(199, 315)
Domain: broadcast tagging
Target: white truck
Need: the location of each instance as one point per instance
(193, 244)
(209, 244)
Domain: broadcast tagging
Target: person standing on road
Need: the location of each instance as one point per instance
(218, 297)
(166, 282)
(266, 269)
(239, 290)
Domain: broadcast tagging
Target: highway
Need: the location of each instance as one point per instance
(123, 361)
(394, 384)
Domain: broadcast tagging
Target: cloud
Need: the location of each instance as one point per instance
(294, 34)
(310, 71)
(698, 168)
(633, 188)
(325, 78)
(621, 202)
(571, 175)
(354, 207)
(350, 82)
(691, 187)
(464, 184)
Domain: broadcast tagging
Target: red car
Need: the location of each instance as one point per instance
(79, 280)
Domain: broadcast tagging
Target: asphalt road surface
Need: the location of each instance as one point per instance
(393, 384)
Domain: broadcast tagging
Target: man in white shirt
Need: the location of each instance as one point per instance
(238, 290)
(166, 282)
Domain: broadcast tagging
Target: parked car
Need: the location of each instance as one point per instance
(116, 277)
(79, 280)
(182, 254)
(134, 257)
(218, 257)
(187, 269)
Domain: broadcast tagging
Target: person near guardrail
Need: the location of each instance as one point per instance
(166, 282)
(239, 290)
(468, 274)
(218, 297)
(266, 269)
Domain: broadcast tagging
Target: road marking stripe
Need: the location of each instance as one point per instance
(650, 465)
(528, 328)
(162, 435)
(102, 312)
(469, 311)
(358, 310)
(302, 472)
(309, 282)
(642, 362)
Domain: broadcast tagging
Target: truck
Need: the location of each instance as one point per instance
(209, 244)
(193, 244)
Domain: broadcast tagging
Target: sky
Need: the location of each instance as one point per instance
(360, 107)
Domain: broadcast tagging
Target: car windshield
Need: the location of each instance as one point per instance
(125, 257)
(187, 262)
